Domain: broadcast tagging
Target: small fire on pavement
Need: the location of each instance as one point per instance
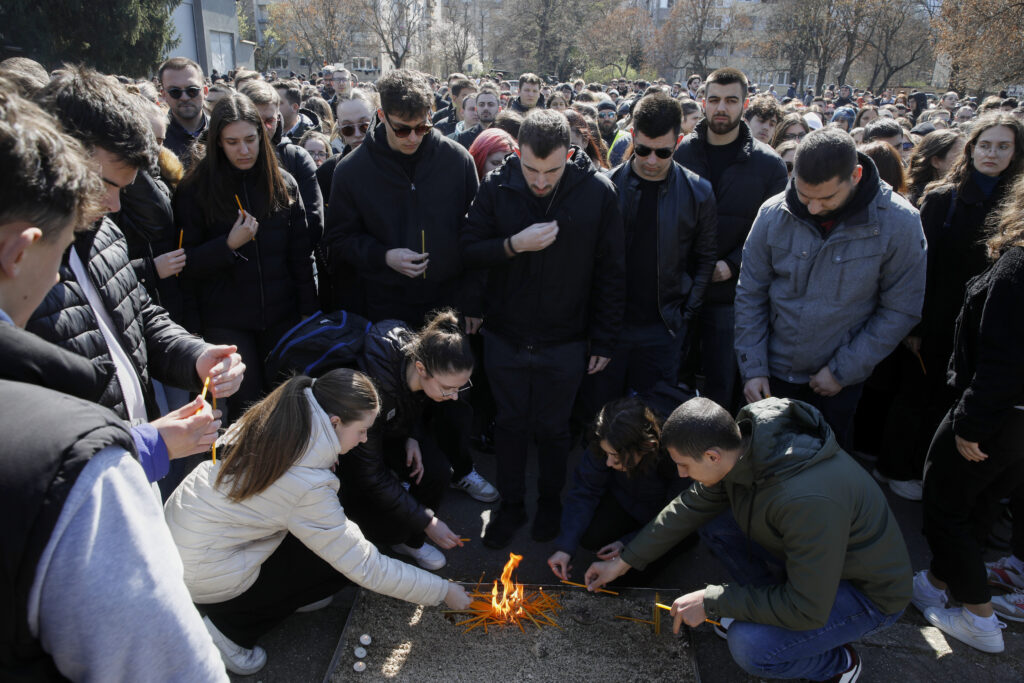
(513, 605)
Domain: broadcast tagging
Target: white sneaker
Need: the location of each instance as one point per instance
(959, 623)
(1004, 574)
(1009, 606)
(925, 593)
(722, 627)
(426, 556)
(314, 606)
(237, 659)
(477, 487)
(912, 489)
(856, 666)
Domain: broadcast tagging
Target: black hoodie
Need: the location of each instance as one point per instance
(865, 193)
(571, 291)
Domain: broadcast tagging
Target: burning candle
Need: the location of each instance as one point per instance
(365, 639)
(359, 666)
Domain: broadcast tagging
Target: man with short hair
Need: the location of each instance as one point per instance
(839, 254)
(488, 106)
(693, 84)
(845, 97)
(670, 221)
(964, 114)
(549, 230)
(950, 101)
(763, 114)
(885, 130)
(395, 217)
(744, 172)
(815, 553)
(341, 84)
(295, 121)
(184, 91)
(78, 506)
(460, 88)
(529, 94)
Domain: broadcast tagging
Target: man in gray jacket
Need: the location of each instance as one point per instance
(832, 279)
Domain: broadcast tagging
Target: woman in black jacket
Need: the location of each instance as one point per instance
(249, 262)
(953, 214)
(392, 485)
(977, 455)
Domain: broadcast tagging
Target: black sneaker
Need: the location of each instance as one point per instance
(503, 527)
(547, 523)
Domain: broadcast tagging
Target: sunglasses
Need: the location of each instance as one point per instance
(406, 131)
(350, 130)
(607, 115)
(661, 152)
(192, 91)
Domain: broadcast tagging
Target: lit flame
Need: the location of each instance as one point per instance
(510, 607)
(516, 605)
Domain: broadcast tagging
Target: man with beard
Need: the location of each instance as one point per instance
(488, 104)
(744, 172)
(606, 120)
(549, 231)
(832, 279)
(183, 89)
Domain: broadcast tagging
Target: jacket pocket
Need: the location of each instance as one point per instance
(790, 259)
(857, 267)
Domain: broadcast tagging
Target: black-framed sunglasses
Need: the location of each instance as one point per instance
(406, 131)
(644, 150)
(350, 130)
(192, 91)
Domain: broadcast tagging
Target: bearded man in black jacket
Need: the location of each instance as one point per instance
(549, 230)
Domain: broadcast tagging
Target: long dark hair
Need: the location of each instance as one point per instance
(215, 177)
(632, 430)
(888, 162)
(273, 434)
(960, 174)
(935, 145)
(592, 143)
(788, 120)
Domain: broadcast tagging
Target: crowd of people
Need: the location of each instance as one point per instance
(749, 309)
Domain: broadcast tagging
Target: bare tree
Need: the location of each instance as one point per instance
(692, 33)
(902, 37)
(323, 31)
(620, 39)
(983, 38)
(453, 35)
(397, 24)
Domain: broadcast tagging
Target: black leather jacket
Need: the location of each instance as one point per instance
(687, 234)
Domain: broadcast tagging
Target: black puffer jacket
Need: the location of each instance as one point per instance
(267, 281)
(757, 174)
(375, 206)
(297, 162)
(687, 232)
(147, 220)
(33, 360)
(363, 473)
(151, 339)
(572, 291)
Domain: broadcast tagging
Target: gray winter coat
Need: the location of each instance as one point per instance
(805, 300)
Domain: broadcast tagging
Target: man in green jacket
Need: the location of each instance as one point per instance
(806, 533)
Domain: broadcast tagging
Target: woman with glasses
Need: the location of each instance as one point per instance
(355, 118)
(392, 484)
(243, 227)
(792, 127)
(318, 145)
(787, 150)
(953, 213)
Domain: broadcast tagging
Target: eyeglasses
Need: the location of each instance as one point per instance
(317, 155)
(794, 136)
(192, 91)
(644, 150)
(405, 131)
(350, 130)
(607, 115)
(448, 393)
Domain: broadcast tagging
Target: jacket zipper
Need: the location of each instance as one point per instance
(663, 190)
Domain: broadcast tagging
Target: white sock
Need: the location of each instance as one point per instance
(1016, 563)
(984, 623)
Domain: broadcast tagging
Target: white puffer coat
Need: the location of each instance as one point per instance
(223, 543)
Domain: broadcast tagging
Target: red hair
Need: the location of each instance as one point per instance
(487, 143)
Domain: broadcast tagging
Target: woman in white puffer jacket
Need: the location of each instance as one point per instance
(262, 532)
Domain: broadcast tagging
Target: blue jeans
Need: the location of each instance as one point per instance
(776, 652)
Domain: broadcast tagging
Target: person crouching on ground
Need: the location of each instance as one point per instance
(816, 553)
(262, 532)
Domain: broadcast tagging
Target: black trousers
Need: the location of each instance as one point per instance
(293, 576)
(450, 423)
(253, 346)
(534, 388)
(381, 526)
(838, 410)
(957, 504)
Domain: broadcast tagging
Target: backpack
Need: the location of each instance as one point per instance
(321, 342)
